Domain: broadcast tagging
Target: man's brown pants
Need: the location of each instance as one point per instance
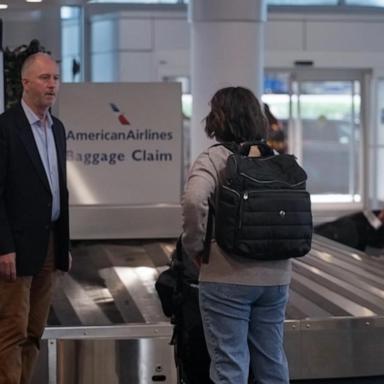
(24, 309)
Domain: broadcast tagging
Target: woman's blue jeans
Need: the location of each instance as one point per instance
(243, 326)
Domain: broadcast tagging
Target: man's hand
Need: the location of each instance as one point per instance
(8, 266)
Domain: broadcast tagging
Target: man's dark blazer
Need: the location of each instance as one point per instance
(25, 195)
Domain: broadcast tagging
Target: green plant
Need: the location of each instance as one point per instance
(13, 61)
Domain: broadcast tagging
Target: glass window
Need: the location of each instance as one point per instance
(71, 38)
(378, 147)
(140, 1)
(328, 120)
(380, 123)
(302, 2)
(366, 3)
(322, 121)
(103, 55)
(379, 175)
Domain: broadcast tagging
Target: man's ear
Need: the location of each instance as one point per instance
(24, 82)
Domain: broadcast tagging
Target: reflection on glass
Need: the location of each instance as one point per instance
(377, 159)
(328, 119)
(279, 105)
(379, 174)
(139, 1)
(71, 44)
(380, 120)
(322, 119)
(366, 3)
(302, 2)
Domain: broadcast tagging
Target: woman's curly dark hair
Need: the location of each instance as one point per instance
(236, 115)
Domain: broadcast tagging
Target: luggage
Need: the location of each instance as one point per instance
(353, 230)
(177, 287)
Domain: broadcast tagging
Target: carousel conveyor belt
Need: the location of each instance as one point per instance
(335, 315)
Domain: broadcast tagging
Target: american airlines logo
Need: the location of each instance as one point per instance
(120, 115)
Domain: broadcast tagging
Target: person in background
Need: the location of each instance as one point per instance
(276, 137)
(34, 229)
(242, 301)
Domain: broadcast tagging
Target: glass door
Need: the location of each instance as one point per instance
(321, 113)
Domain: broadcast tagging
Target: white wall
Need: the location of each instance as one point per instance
(14, 35)
(149, 44)
(331, 41)
(21, 27)
(146, 45)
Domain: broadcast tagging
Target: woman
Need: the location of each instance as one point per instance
(242, 301)
(276, 137)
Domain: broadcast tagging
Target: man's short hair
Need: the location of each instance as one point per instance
(30, 60)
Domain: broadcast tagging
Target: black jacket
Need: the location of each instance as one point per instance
(25, 196)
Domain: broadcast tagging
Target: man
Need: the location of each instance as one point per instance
(34, 233)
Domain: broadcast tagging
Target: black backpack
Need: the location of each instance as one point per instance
(262, 209)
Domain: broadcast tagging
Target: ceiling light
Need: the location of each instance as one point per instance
(34, 1)
(3, 6)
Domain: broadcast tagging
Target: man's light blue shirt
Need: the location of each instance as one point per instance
(45, 141)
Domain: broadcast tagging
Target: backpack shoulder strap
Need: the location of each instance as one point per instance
(208, 236)
(235, 148)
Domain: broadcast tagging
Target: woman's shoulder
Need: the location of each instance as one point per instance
(211, 160)
(217, 155)
(218, 151)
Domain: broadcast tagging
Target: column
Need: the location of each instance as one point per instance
(227, 49)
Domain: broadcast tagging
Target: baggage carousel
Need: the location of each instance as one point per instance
(106, 323)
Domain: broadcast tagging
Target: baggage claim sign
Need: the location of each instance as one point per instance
(123, 142)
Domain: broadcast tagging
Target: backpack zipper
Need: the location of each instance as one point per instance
(245, 194)
(231, 190)
(270, 181)
(273, 190)
(240, 223)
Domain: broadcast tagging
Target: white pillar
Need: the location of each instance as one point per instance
(227, 49)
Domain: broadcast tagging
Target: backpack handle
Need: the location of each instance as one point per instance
(264, 149)
(243, 148)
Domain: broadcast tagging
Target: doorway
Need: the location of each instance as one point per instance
(321, 113)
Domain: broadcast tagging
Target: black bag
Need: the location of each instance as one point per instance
(166, 287)
(353, 230)
(263, 210)
(177, 288)
(174, 282)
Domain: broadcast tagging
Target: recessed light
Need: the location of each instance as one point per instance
(3, 6)
(34, 1)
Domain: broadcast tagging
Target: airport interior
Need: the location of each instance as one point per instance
(136, 80)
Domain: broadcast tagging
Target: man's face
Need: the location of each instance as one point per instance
(41, 83)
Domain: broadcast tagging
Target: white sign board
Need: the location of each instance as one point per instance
(123, 143)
